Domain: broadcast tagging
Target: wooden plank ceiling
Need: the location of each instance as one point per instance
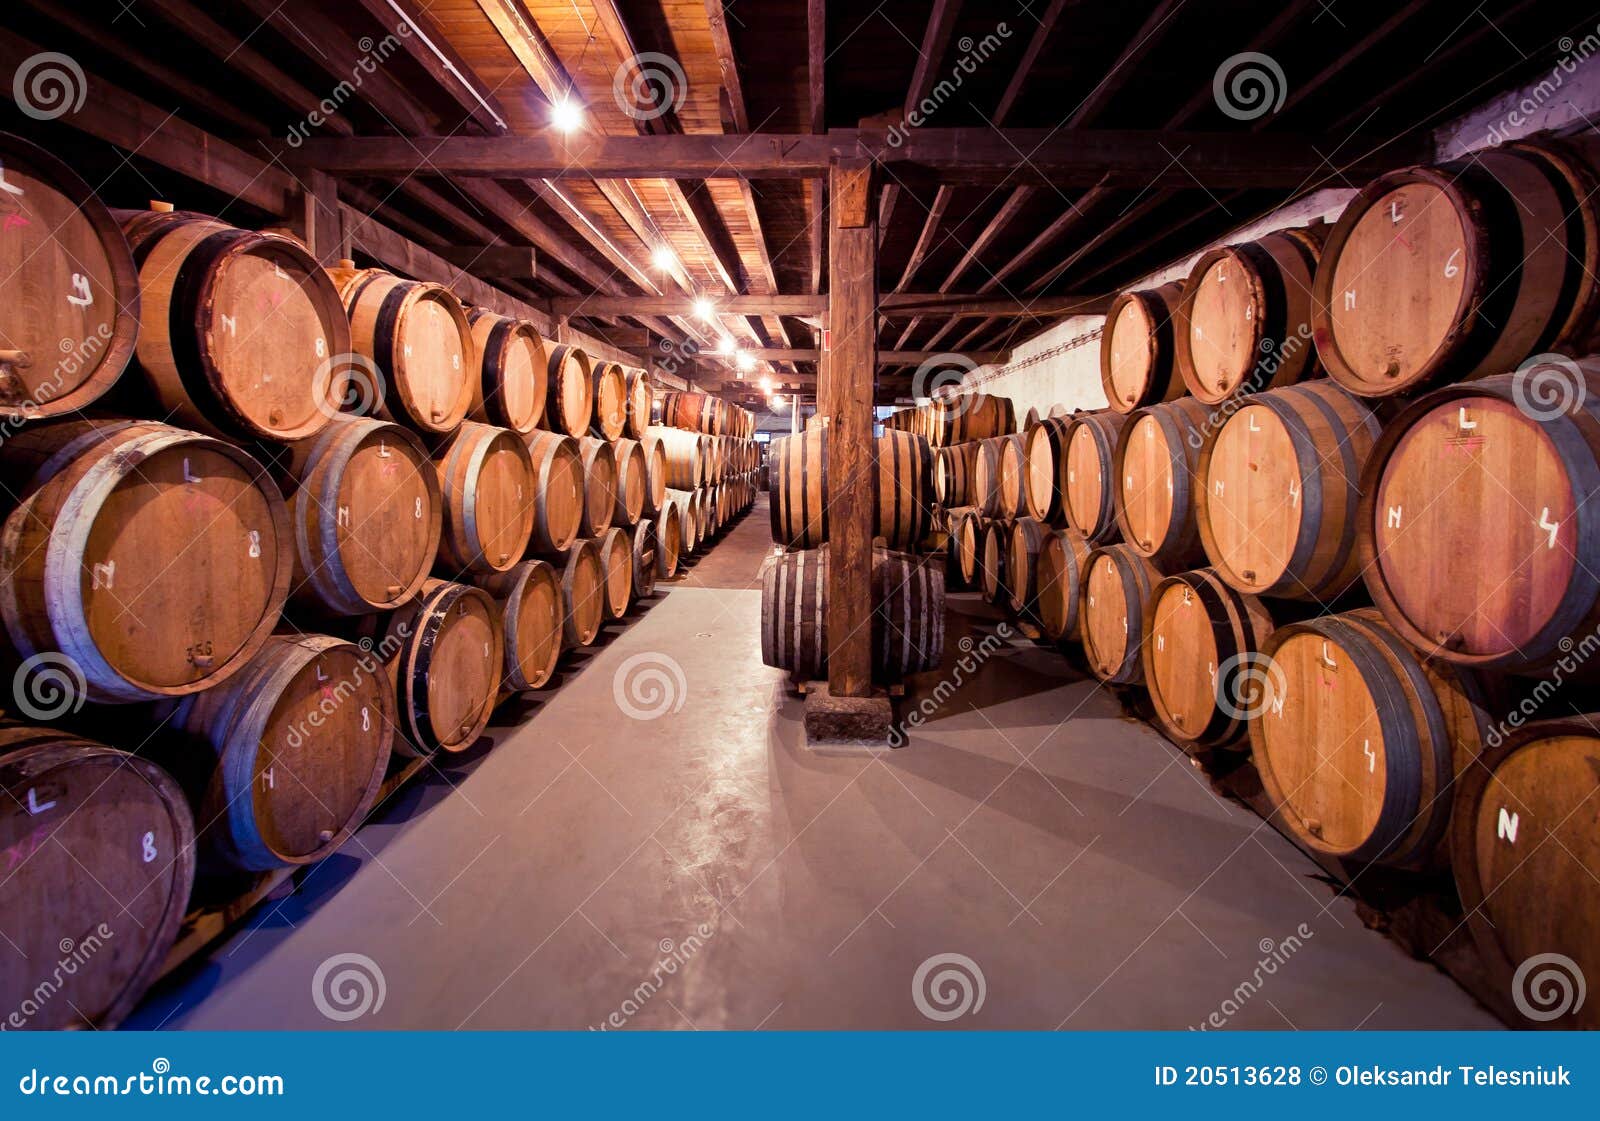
(250, 71)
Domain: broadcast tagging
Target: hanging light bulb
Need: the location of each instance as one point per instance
(766, 385)
(566, 114)
(662, 256)
(745, 361)
(704, 308)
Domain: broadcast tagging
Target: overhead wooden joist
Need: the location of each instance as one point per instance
(969, 155)
(903, 304)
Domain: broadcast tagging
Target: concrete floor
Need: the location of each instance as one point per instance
(704, 869)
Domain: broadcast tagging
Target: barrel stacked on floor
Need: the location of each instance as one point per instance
(907, 588)
(1325, 419)
(354, 531)
(707, 457)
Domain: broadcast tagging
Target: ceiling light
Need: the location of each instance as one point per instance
(662, 256)
(566, 114)
(704, 308)
(725, 345)
(766, 385)
(745, 361)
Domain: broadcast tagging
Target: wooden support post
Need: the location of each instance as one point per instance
(316, 219)
(848, 383)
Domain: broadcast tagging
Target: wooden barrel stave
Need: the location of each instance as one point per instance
(531, 612)
(569, 404)
(1087, 478)
(1138, 349)
(486, 477)
(1059, 571)
(1156, 461)
(1117, 587)
(513, 372)
(599, 486)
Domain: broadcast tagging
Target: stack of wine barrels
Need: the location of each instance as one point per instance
(700, 459)
(1341, 514)
(327, 521)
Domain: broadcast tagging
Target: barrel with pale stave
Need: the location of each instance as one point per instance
(156, 559)
(1087, 478)
(487, 481)
(1059, 571)
(1157, 460)
(1524, 838)
(101, 863)
(283, 761)
(558, 484)
(569, 401)
(907, 618)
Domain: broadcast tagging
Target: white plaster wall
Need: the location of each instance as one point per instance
(1565, 99)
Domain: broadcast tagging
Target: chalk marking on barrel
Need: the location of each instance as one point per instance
(1372, 756)
(84, 295)
(1450, 266)
(9, 188)
(103, 575)
(1506, 828)
(1463, 423)
(1394, 517)
(188, 475)
(1552, 528)
(34, 808)
(1350, 299)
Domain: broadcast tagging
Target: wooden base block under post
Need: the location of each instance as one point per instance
(847, 723)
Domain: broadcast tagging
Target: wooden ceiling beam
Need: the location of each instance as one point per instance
(935, 42)
(1064, 158)
(895, 304)
(433, 51)
(510, 261)
(1156, 24)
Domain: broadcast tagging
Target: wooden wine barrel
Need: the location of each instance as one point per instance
(641, 397)
(1013, 482)
(156, 559)
(1573, 166)
(599, 486)
(904, 469)
(1045, 470)
(487, 479)
(705, 515)
(633, 481)
(907, 617)
(1111, 617)
(531, 612)
(1157, 459)
(1031, 419)
(513, 372)
(1087, 481)
(655, 474)
(987, 471)
(239, 331)
(583, 594)
(1440, 274)
(965, 546)
(1361, 739)
(569, 403)
(1139, 351)
(445, 656)
(610, 401)
(992, 563)
(1523, 849)
(1202, 644)
(1278, 491)
(366, 509)
(1478, 525)
(1245, 319)
(558, 487)
(669, 540)
(417, 338)
(615, 547)
(295, 747)
(688, 504)
(69, 318)
(904, 489)
(976, 416)
(1059, 571)
(685, 454)
(1028, 536)
(644, 559)
(100, 864)
(694, 412)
